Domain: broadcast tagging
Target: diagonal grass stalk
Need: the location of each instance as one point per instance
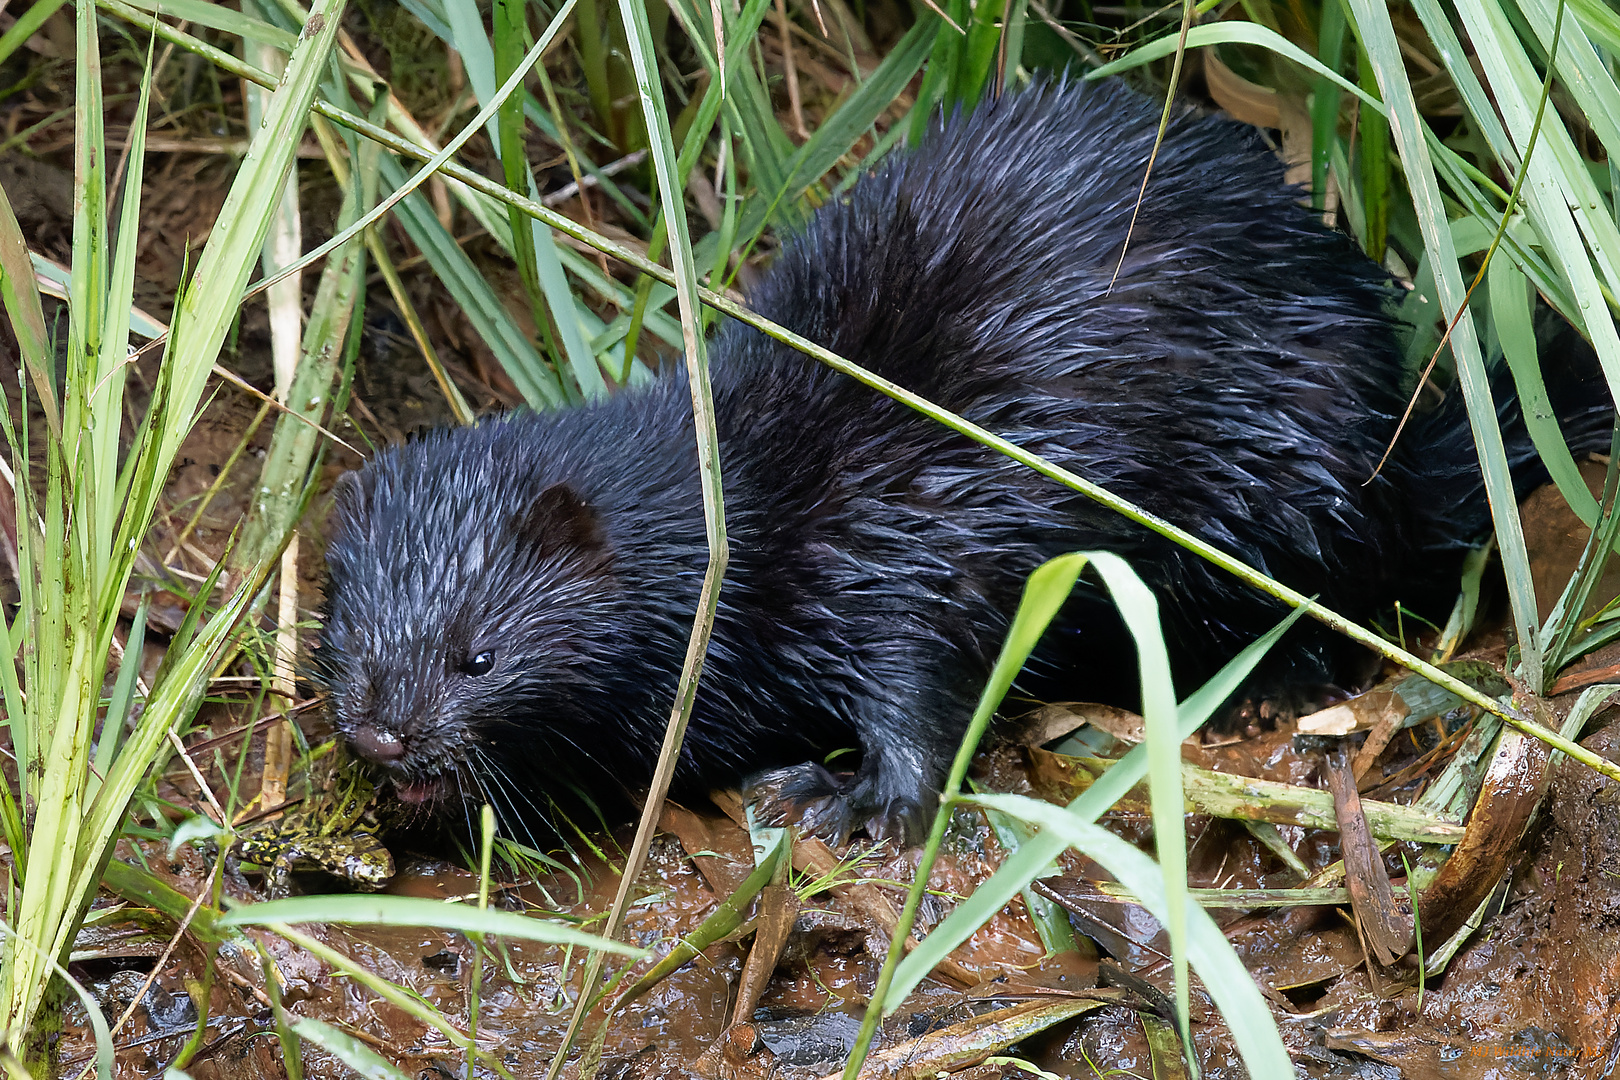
(536, 250)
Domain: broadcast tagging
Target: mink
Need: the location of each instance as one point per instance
(510, 603)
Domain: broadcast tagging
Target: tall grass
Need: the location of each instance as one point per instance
(616, 99)
(83, 510)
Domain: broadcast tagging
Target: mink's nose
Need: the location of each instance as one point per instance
(377, 746)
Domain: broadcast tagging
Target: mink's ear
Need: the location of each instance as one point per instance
(562, 525)
(351, 500)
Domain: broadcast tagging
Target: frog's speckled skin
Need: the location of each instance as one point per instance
(335, 831)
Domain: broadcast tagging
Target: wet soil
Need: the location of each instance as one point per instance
(1536, 991)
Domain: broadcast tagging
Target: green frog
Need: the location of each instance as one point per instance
(334, 829)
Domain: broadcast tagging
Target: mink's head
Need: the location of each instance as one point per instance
(466, 597)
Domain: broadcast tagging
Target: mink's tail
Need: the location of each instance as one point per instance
(1447, 491)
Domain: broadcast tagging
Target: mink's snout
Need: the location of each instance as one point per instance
(403, 720)
(376, 745)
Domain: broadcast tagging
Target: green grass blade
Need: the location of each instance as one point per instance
(834, 138)
(123, 697)
(175, 698)
(1325, 100)
(225, 20)
(478, 56)
(1375, 167)
(442, 157)
(11, 693)
(63, 696)
(661, 147)
(1377, 35)
(1031, 860)
(1013, 42)
(1600, 21)
(855, 117)
(589, 273)
(409, 1002)
(279, 494)
(107, 406)
(28, 326)
(205, 312)
(534, 378)
(486, 211)
(1225, 978)
(725, 237)
(1482, 110)
(740, 29)
(663, 153)
(1571, 215)
(566, 312)
(765, 146)
(1232, 33)
(282, 244)
(20, 295)
(432, 17)
(1586, 78)
(27, 23)
(1511, 303)
(87, 290)
(1045, 593)
(1463, 179)
(1565, 620)
(943, 53)
(101, 1034)
(357, 909)
(62, 690)
(510, 30)
(593, 58)
(1140, 609)
(11, 688)
(730, 913)
(976, 64)
(662, 150)
(360, 1058)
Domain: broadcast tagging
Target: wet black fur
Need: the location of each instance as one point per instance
(1240, 379)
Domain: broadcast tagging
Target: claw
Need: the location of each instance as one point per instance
(834, 807)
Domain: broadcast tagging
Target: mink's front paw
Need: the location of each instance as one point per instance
(835, 806)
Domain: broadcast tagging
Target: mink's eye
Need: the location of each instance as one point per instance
(482, 664)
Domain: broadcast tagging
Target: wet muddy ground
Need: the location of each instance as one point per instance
(1535, 991)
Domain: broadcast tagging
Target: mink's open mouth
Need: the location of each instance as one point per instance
(422, 790)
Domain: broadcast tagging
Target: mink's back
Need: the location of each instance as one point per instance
(1238, 377)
